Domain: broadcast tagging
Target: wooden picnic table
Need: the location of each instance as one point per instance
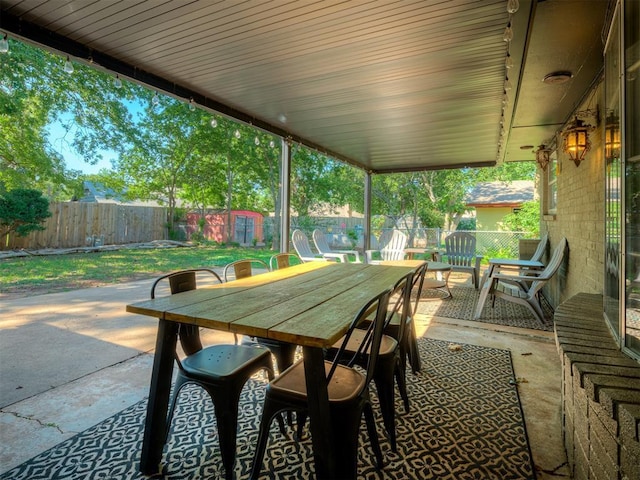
(310, 305)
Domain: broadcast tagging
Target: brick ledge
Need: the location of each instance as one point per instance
(601, 392)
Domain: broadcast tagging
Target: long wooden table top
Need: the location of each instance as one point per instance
(310, 304)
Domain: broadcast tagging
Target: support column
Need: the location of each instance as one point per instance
(285, 194)
(367, 211)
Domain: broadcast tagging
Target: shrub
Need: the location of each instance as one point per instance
(22, 211)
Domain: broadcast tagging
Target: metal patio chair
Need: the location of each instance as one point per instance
(221, 370)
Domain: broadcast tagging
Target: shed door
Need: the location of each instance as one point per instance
(244, 230)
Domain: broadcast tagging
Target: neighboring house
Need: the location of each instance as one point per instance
(494, 200)
(95, 192)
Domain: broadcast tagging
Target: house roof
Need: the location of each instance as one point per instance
(96, 192)
(388, 86)
(501, 194)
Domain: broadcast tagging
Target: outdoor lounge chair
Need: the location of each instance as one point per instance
(460, 253)
(303, 248)
(320, 241)
(534, 264)
(392, 245)
(523, 288)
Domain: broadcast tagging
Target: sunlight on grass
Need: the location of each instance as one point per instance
(65, 272)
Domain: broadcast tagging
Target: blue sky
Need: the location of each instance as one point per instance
(60, 140)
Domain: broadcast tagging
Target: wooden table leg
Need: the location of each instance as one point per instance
(155, 427)
(318, 398)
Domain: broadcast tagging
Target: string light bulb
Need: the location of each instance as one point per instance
(508, 62)
(513, 6)
(272, 144)
(117, 82)
(256, 140)
(4, 44)
(214, 122)
(155, 100)
(507, 36)
(236, 134)
(68, 66)
(192, 106)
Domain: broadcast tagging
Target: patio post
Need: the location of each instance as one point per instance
(366, 241)
(285, 194)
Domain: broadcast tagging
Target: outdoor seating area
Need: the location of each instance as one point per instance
(428, 343)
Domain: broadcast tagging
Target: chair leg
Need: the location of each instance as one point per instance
(301, 420)
(270, 409)
(383, 378)
(225, 404)
(181, 381)
(402, 384)
(347, 422)
(535, 307)
(373, 435)
(413, 352)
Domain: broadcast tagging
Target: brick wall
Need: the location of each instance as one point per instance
(579, 218)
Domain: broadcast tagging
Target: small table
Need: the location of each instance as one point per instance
(441, 282)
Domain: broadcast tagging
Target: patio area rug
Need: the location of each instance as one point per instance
(463, 305)
(465, 423)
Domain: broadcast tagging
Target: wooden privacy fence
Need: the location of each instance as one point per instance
(80, 224)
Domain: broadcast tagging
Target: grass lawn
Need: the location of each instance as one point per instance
(22, 276)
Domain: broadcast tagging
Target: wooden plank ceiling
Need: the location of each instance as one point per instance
(387, 85)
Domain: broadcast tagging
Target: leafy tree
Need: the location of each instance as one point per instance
(22, 210)
(527, 219)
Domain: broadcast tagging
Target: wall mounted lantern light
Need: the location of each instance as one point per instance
(612, 136)
(576, 140)
(543, 156)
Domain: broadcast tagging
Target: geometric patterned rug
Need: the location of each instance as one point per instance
(465, 422)
(463, 305)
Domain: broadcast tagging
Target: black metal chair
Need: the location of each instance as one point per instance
(222, 370)
(282, 351)
(409, 342)
(348, 390)
(390, 366)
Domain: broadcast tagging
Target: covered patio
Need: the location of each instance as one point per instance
(406, 86)
(59, 401)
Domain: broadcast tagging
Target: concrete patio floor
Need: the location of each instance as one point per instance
(70, 360)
